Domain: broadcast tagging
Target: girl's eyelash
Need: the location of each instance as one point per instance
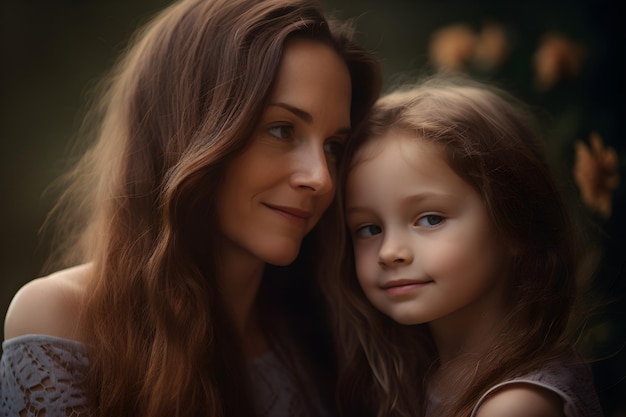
(430, 220)
(367, 230)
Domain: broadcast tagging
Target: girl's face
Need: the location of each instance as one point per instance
(424, 246)
(277, 189)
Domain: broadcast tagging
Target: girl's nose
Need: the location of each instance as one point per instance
(394, 252)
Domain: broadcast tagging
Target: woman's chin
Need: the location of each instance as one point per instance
(281, 256)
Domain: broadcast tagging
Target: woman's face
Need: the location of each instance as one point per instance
(277, 189)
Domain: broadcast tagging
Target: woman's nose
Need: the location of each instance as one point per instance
(312, 172)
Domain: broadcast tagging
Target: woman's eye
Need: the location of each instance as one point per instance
(334, 148)
(368, 231)
(430, 220)
(283, 132)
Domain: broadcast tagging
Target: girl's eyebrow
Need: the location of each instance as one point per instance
(415, 198)
(356, 209)
(305, 116)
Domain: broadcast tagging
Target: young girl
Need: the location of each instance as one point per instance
(460, 237)
(198, 215)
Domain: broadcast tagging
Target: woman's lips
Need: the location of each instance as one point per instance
(293, 213)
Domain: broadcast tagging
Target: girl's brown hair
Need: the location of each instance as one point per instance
(491, 142)
(180, 104)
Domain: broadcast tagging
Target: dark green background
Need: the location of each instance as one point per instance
(52, 52)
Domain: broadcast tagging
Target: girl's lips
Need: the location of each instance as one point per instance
(403, 286)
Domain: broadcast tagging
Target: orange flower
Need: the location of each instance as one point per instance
(596, 174)
(454, 47)
(451, 47)
(557, 58)
(492, 47)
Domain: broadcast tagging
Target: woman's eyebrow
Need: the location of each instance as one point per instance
(296, 111)
(307, 116)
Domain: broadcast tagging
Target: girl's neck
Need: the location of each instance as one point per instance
(471, 329)
(458, 342)
(449, 379)
(465, 334)
(462, 340)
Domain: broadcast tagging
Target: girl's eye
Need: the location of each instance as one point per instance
(368, 231)
(430, 220)
(283, 132)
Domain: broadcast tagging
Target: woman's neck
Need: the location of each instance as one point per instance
(239, 279)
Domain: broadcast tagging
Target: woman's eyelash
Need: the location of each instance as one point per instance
(281, 131)
(334, 147)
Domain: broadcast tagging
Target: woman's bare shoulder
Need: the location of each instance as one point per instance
(49, 305)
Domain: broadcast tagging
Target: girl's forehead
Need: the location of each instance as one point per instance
(371, 147)
(406, 139)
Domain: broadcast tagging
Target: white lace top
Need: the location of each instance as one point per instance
(41, 376)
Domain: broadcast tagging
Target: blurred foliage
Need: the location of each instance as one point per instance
(54, 51)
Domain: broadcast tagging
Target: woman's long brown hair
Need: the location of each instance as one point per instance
(180, 104)
(492, 142)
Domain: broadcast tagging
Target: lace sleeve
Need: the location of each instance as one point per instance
(41, 376)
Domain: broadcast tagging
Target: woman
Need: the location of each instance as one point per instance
(216, 151)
